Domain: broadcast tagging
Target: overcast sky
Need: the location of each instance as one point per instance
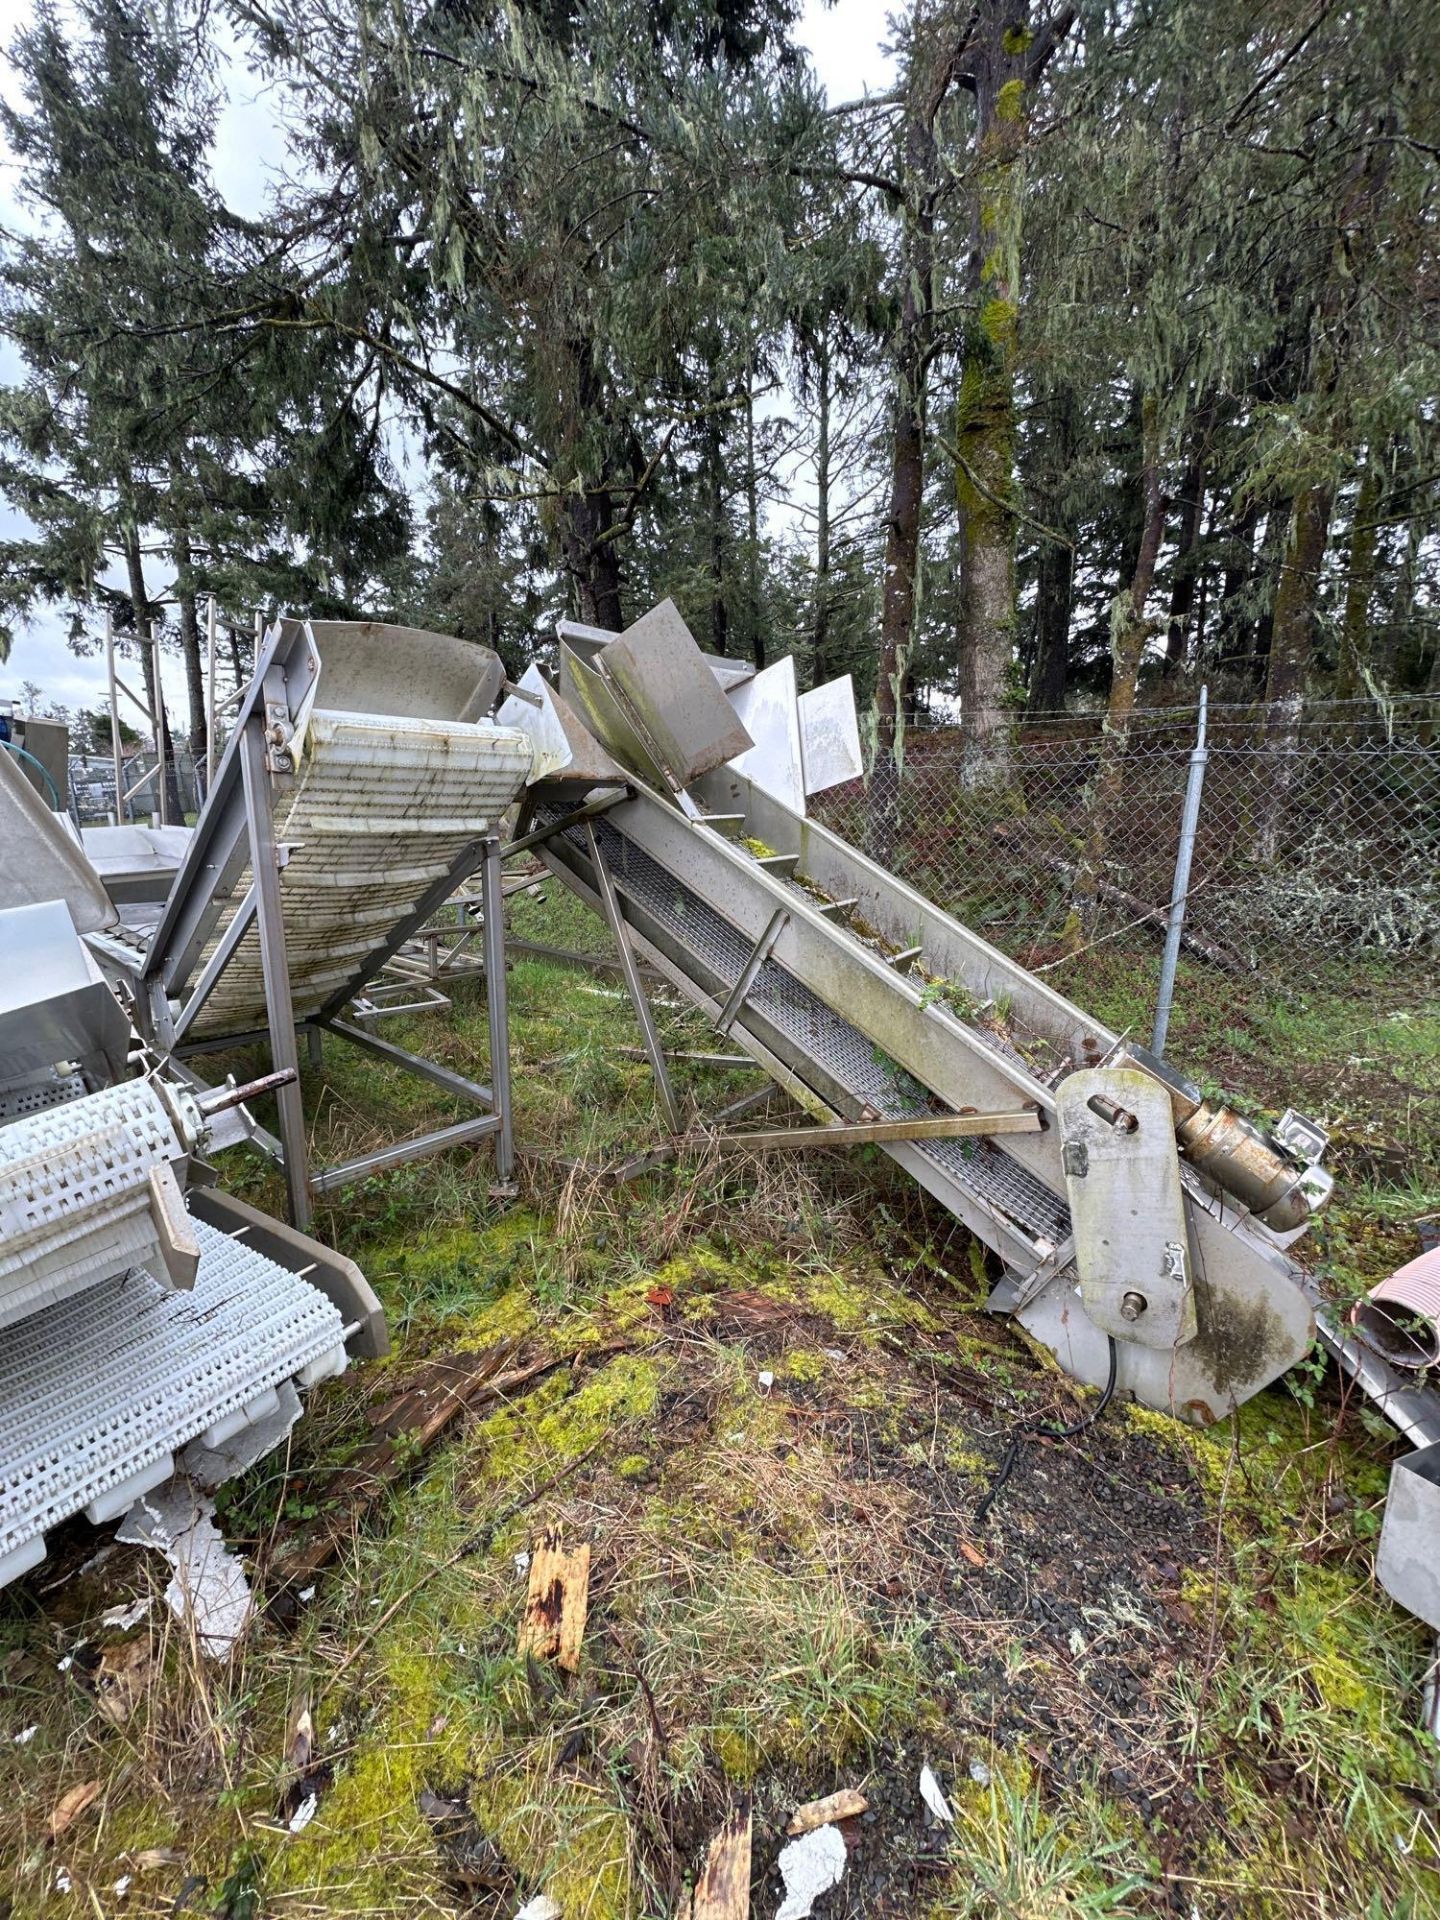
(844, 41)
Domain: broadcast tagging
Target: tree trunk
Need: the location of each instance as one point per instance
(148, 642)
(902, 561)
(820, 617)
(900, 584)
(594, 563)
(1182, 586)
(719, 530)
(1055, 573)
(1054, 599)
(1129, 630)
(190, 641)
(1353, 658)
(985, 409)
(1292, 646)
(1271, 567)
(754, 612)
(1008, 62)
(1234, 628)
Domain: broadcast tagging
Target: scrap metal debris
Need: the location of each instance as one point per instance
(809, 1867)
(723, 1890)
(1400, 1318)
(208, 1589)
(558, 1596)
(847, 1804)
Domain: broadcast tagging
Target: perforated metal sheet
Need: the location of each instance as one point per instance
(75, 1194)
(847, 1055)
(382, 808)
(16, 1102)
(99, 1393)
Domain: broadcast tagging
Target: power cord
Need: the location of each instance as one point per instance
(1037, 1430)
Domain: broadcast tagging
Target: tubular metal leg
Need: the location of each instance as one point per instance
(314, 1046)
(498, 1007)
(279, 1010)
(654, 1051)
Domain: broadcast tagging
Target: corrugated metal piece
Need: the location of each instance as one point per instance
(1401, 1317)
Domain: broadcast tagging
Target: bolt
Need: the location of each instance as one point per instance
(1132, 1306)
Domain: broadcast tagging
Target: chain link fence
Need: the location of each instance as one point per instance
(92, 786)
(1315, 875)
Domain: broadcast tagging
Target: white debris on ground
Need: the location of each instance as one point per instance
(304, 1813)
(980, 1773)
(208, 1590)
(809, 1867)
(123, 1618)
(542, 1907)
(934, 1798)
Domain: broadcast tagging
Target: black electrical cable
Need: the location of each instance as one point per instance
(1037, 1430)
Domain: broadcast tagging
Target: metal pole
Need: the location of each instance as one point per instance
(497, 1006)
(115, 749)
(1189, 820)
(157, 721)
(620, 933)
(274, 965)
(211, 636)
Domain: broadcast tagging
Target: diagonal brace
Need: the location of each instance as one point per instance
(654, 1051)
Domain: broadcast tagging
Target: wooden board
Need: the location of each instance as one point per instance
(556, 1601)
(723, 1890)
(847, 1804)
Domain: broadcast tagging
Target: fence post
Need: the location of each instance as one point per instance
(1189, 819)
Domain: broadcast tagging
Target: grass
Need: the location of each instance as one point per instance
(1161, 1680)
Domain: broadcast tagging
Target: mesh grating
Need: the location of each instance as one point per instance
(841, 1049)
(112, 1382)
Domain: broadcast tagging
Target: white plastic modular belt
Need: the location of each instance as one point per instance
(75, 1193)
(382, 808)
(99, 1394)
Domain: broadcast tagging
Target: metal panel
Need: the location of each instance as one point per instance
(590, 694)
(38, 859)
(768, 708)
(54, 1003)
(1127, 1206)
(559, 743)
(661, 676)
(371, 666)
(830, 736)
(1408, 1562)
